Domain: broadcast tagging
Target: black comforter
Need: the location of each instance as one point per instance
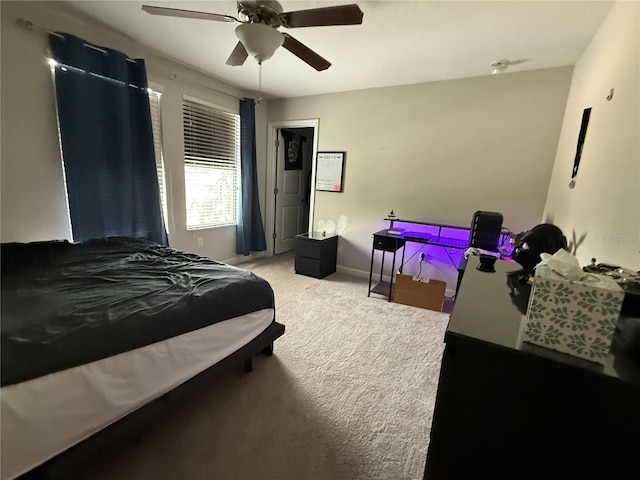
(67, 304)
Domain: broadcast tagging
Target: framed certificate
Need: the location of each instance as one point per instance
(330, 171)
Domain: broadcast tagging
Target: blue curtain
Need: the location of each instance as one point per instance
(249, 230)
(107, 142)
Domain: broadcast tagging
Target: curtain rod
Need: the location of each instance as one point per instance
(28, 25)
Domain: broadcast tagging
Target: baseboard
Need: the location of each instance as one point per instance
(353, 272)
(244, 258)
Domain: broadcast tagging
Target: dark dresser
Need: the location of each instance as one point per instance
(506, 409)
(316, 254)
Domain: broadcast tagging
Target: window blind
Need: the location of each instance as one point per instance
(212, 164)
(154, 104)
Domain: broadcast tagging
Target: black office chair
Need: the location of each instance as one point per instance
(486, 228)
(485, 232)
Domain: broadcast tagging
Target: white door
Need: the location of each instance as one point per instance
(291, 205)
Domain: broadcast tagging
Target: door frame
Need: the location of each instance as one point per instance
(272, 136)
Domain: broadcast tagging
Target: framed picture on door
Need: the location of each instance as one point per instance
(293, 150)
(330, 171)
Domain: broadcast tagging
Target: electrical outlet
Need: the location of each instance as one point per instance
(199, 242)
(422, 258)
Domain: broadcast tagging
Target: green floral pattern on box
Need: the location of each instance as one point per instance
(573, 317)
(592, 348)
(544, 334)
(552, 292)
(606, 329)
(593, 301)
(536, 309)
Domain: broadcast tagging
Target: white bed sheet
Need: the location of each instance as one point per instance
(90, 397)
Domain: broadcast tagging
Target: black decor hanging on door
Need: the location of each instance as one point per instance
(293, 150)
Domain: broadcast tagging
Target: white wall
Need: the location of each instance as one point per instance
(33, 198)
(437, 152)
(604, 207)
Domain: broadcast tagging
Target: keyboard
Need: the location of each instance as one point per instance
(417, 236)
(449, 242)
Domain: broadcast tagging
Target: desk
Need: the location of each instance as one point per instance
(436, 238)
(430, 234)
(508, 409)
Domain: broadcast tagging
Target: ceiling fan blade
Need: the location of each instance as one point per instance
(238, 56)
(324, 16)
(176, 12)
(517, 62)
(304, 53)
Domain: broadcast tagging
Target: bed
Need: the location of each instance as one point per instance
(97, 335)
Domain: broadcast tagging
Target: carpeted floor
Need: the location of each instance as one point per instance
(349, 394)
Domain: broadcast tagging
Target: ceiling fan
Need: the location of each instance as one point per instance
(259, 21)
(500, 66)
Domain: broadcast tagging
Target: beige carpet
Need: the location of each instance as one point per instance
(349, 394)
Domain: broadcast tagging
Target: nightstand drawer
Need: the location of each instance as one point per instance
(304, 247)
(313, 268)
(315, 257)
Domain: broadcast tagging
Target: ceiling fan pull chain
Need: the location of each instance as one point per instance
(259, 99)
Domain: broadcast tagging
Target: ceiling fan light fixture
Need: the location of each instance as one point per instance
(259, 40)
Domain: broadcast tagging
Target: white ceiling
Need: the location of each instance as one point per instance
(399, 42)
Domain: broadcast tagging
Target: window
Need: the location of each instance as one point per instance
(211, 164)
(154, 104)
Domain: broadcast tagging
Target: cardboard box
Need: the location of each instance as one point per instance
(574, 317)
(428, 295)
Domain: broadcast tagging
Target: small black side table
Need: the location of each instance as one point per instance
(384, 242)
(316, 254)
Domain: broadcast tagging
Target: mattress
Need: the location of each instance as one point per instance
(65, 305)
(89, 397)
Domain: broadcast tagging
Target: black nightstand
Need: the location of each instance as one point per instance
(316, 254)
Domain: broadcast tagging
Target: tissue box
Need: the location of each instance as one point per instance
(574, 317)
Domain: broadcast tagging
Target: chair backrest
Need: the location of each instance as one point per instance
(485, 230)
